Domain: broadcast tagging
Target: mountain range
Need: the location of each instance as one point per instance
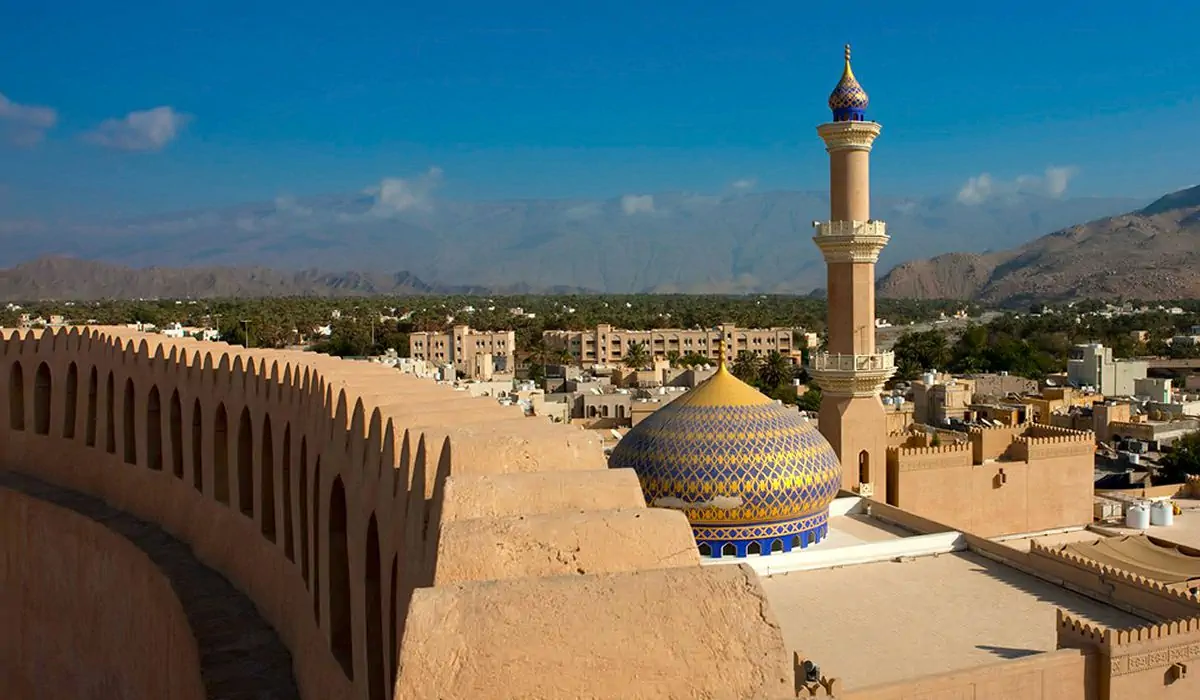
(1152, 253)
(664, 242)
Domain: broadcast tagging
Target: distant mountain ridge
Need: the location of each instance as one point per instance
(1152, 253)
(63, 278)
(660, 242)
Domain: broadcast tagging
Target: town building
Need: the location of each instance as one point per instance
(1092, 365)
(606, 345)
(473, 354)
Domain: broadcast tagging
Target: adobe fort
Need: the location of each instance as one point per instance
(185, 519)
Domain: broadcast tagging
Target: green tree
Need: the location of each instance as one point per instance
(811, 400)
(636, 356)
(747, 367)
(776, 370)
(1183, 459)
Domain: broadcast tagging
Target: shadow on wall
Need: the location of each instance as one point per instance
(264, 469)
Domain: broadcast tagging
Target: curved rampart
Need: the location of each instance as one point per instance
(86, 614)
(318, 487)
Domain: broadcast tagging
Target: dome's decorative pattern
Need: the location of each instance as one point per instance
(848, 100)
(745, 469)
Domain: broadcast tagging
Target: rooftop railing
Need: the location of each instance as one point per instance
(826, 361)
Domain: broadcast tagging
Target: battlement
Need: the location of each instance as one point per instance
(318, 486)
(1113, 574)
(1072, 632)
(954, 448)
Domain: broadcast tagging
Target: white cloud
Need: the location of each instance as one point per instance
(286, 204)
(148, 130)
(395, 195)
(745, 184)
(637, 203)
(25, 125)
(1052, 183)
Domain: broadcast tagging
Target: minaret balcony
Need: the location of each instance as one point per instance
(852, 375)
(851, 241)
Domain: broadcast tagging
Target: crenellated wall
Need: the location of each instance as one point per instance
(1153, 661)
(1003, 480)
(353, 503)
(73, 601)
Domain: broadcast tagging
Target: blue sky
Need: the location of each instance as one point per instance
(534, 99)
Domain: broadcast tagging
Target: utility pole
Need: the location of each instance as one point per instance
(246, 332)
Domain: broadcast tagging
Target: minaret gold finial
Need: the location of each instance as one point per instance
(847, 53)
(721, 352)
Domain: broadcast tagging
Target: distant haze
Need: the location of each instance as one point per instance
(645, 242)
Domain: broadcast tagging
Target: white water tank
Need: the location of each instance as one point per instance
(929, 378)
(1137, 516)
(1161, 513)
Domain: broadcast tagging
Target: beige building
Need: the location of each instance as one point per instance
(1093, 365)
(474, 354)
(606, 345)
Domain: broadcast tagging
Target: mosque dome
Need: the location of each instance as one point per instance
(753, 476)
(848, 100)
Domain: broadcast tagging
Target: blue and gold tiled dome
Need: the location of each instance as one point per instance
(752, 475)
(848, 100)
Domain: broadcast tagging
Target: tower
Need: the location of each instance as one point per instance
(849, 370)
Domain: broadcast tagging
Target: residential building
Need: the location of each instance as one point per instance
(606, 345)
(463, 347)
(1093, 365)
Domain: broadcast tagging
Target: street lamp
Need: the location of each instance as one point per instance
(246, 332)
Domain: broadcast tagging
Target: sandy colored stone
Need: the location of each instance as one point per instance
(671, 633)
(559, 544)
(497, 496)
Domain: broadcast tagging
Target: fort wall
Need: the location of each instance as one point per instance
(321, 489)
(85, 612)
(1006, 480)
(1067, 674)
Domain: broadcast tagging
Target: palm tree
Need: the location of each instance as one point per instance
(776, 370)
(747, 366)
(636, 356)
(673, 357)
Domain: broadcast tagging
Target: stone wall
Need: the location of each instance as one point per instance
(85, 613)
(323, 489)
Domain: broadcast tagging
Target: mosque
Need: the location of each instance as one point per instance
(754, 477)
(190, 520)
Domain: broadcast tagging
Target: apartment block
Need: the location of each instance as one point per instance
(1093, 365)
(474, 354)
(606, 345)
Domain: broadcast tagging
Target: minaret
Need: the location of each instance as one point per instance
(849, 371)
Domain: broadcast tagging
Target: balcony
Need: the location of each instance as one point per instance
(837, 362)
(852, 375)
(859, 229)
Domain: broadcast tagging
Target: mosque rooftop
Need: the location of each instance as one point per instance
(859, 622)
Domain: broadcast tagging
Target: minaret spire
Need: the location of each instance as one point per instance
(851, 371)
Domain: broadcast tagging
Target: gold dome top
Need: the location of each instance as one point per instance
(723, 389)
(848, 100)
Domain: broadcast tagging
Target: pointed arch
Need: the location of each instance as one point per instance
(92, 408)
(129, 428)
(316, 538)
(16, 397)
(175, 423)
(266, 471)
(392, 614)
(197, 446)
(71, 401)
(110, 410)
(154, 441)
(245, 464)
(43, 389)
(286, 484)
(374, 617)
(341, 632)
(221, 455)
(302, 497)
